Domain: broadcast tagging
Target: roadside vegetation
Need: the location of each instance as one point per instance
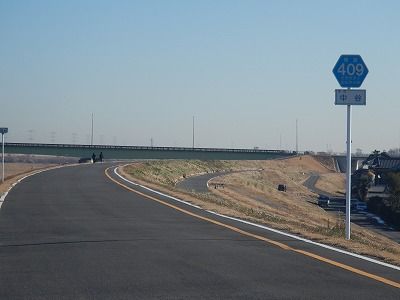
(253, 195)
(388, 208)
(334, 183)
(169, 172)
(394, 188)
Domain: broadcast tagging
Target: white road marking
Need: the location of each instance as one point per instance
(371, 260)
(151, 190)
(3, 197)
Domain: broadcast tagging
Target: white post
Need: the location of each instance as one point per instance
(348, 173)
(2, 141)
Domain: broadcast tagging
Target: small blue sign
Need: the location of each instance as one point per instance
(350, 71)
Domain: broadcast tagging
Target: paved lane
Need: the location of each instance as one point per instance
(198, 184)
(72, 233)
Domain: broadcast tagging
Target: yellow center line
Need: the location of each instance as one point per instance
(261, 238)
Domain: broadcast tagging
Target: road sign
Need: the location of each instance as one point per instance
(3, 131)
(350, 71)
(350, 97)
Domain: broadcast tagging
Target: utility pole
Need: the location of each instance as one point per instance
(30, 132)
(91, 140)
(53, 137)
(297, 138)
(193, 133)
(74, 135)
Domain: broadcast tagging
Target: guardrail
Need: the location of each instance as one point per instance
(145, 148)
(112, 151)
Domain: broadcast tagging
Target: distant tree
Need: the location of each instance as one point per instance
(394, 152)
(393, 180)
(358, 152)
(361, 183)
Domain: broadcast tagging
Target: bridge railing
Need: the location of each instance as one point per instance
(148, 148)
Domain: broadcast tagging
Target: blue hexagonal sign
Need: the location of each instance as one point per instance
(350, 71)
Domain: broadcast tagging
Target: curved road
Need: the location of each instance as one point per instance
(72, 233)
(198, 183)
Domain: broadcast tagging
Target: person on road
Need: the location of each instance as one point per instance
(101, 156)
(93, 158)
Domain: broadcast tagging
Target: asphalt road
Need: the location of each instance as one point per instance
(311, 182)
(198, 184)
(72, 233)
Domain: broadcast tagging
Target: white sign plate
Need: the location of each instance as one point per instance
(350, 97)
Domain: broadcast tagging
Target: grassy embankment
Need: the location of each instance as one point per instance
(253, 196)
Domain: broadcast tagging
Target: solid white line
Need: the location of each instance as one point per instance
(262, 226)
(3, 197)
(208, 181)
(151, 190)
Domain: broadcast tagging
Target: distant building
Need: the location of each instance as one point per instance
(380, 164)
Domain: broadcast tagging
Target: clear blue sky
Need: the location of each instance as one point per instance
(245, 69)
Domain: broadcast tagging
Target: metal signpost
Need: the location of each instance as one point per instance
(350, 71)
(3, 131)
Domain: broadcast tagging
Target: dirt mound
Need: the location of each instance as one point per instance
(327, 161)
(308, 163)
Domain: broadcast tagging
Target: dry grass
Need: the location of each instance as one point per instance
(253, 196)
(327, 161)
(333, 183)
(169, 172)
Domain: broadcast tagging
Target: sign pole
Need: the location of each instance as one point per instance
(348, 173)
(2, 141)
(350, 71)
(3, 131)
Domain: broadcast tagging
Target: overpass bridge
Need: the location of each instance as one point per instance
(143, 152)
(341, 162)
